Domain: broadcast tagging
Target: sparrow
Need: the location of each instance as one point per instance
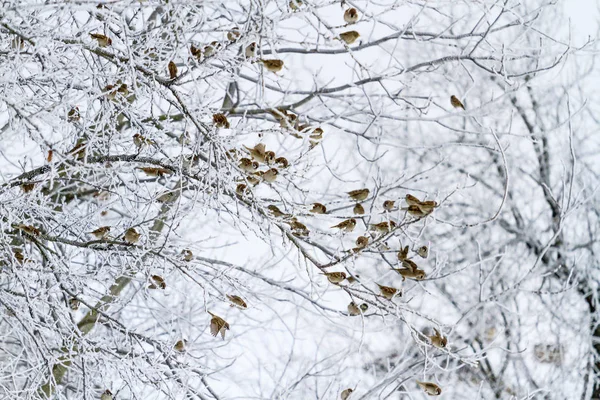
(409, 264)
(18, 255)
(335, 277)
(270, 175)
(131, 236)
(318, 208)
(187, 255)
(157, 281)
(50, 154)
(417, 274)
(430, 388)
(220, 121)
(346, 393)
(218, 325)
(351, 16)
(237, 301)
(154, 171)
(257, 152)
(362, 242)
(403, 254)
(418, 212)
(358, 209)
(101, 232)
(196, 52)
(388, 205)
(210, 49)
(241, 189)
(364, 307)
(27, 187)
(282, 162)
(317, 134)
(412, 200)
(383, 227)
(250, 51)
(254, 180)
(180, 345)
(172, 70)
(276, 212)
(140, 141)
(103, 40)
(438, 340)
(346, 225)
(423, 251)
(456, 103)
(295, 4)
(79, 150)
(349, 37)
(73, 114)
(107, 395)
(167, 197)
(353, 309)
(389, 292)
(269, 157)
(28, 229)
(248, 165)
(298, 228)
(359, 194)
(74, 304)
(233, 34)
(273, 65)
(123, 89)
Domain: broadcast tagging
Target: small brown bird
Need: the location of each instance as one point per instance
(389, 292)
(131, 236)
(349, 37)
(295, 4)
(430, 388)
(412, 200)
(359, 194)
(157, 281)
(18, 255)
(346, 393)
(423, 251)
(187, 255)
(417, 274)
(241, 189)
(107, 395)
(335, 277)
(270, 175)
(74, 304)
(172, 70)
(196, 52)
(269, 157)
(318, 208)
(250, 51)
(456, 103)
(248, 165)
(388, 205)
(27, 187)
(358, 209)
(282, 162)
(210, 49)
(101, 232)
(237, 301)
(140, 141)
(409, 264)
(167, 197)
(351, 16)
(362, 242)
(298, 228)
(438, 340)
(123, 89)
(428, 206)
(218, 325)
(276, 212)
(364, 307)
(383, 227)
(403, 254)
(220, 121)
(255, 178)
(317, 134)
(103, 40)
(353, 309)
(346, 225)
(273, 65)
(155, 171)
(417, 212)
(180, 345)
(257, 152)
(28, 229)
(233, 34)
(73, 115)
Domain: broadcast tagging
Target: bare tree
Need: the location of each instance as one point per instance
(377, 200)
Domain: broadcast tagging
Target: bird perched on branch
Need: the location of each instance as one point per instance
(423, 251)
(180, 345)
(430, 388)
(237, 301)
(383, 227)
(388, 205)
(438, 340)
(346, 225)
(273, 65)
(346, 394)
(358, 194)
(335, 277)
(248, 165)
(157, 281)
(131, 236)
(358, 209)
(220, 121)
(295, 4)
(101, 232)
(389, 292)
(349, 37)
(456, 103)
(172, 70)
(276, 212)
(318, 208)
(106, 395)
(233, 34)
(351, 15)
(250, 51)
(103, 40)
(140, 141)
